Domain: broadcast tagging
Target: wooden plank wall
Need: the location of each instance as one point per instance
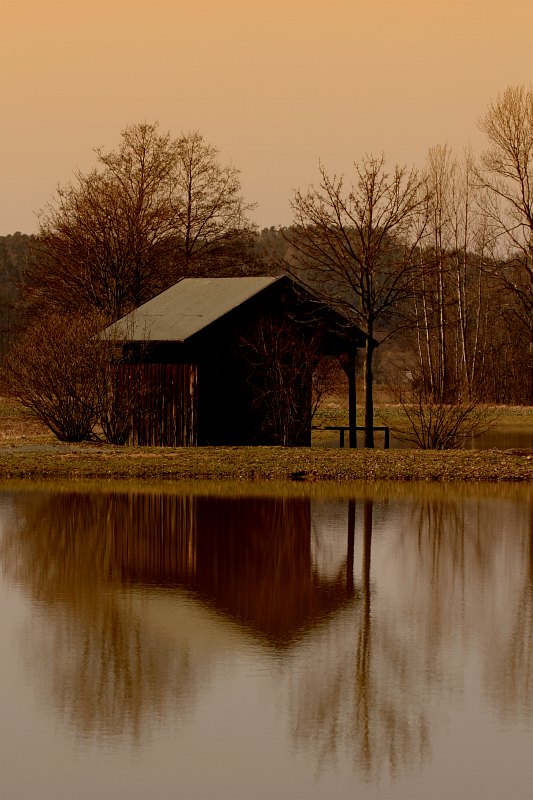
(166, 412)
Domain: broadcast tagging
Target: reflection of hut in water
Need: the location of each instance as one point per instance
(248, 557)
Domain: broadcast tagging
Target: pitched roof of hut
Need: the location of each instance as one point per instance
(200, 301)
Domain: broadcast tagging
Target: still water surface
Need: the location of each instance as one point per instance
(164, 645)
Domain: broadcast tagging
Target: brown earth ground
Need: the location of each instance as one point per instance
(29, 451)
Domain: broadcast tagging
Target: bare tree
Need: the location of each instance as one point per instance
(466, 336)
(209, 215)
(356, 248)
(450, 308)
(120, 390)
(507, 175)
(136, 223)
(104, 240)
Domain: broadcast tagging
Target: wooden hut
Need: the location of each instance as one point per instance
(207, 353)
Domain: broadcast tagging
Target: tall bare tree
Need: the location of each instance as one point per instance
(356, 248)
(450, 309)
(104, 239)
(139, 221)
(209, 214)
(507, 175)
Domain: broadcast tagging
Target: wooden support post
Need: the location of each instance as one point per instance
(352, 398)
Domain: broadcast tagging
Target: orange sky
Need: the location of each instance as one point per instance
(275, 86)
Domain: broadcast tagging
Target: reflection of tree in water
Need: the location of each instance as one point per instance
(367, 682)
(448, 577)
(105, 671)
(509, 665)
(476, 567)
(76, 553)
(360, 690)
(107, 674)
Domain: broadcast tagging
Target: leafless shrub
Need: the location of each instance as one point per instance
(120, 388)
(117, 394)
(433, 422)
(50, 370)
(283, 361)
(72, 377)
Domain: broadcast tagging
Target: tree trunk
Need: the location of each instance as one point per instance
(352, 399)
(530, 376)
(369, 392)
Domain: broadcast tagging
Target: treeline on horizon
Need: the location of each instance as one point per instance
(499, 342)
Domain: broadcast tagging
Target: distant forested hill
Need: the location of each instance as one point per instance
(271, 245)
(15, 252)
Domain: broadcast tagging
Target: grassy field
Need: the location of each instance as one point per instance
(29, 451)
(335, 413)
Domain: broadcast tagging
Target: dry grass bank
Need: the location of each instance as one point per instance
(29, 451)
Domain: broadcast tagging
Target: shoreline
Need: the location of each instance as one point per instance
(33, 461)
(29, 452)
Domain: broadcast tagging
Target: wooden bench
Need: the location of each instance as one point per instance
(343, 428)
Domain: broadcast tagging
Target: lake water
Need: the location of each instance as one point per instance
(168, 644)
